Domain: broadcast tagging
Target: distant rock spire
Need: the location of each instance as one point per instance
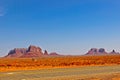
(113, 51)
(45, 52)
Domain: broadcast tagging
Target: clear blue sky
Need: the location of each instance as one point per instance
(63, 26)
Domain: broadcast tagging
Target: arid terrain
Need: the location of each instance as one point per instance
(13, 64)
(97, 67)
(79, 73)
(59, 40)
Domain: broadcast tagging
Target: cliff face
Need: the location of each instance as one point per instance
(33, 51)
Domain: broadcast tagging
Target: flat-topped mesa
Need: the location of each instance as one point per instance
(31, 51)
(17, 52)
(95, 51)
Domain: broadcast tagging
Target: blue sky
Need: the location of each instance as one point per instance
(63, 26)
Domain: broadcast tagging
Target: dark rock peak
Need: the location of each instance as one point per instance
(113, 51)
(45, 52)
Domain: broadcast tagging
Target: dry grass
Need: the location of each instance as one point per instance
(80, 73)
(13, 64)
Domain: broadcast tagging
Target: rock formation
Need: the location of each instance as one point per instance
(34, 49)
(101, 50)
(114, 52)
(45, 53)
(17, 52)
(31, 51)
(95, 51)
(53, 54)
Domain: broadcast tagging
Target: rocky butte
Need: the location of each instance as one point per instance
(101, 51)
(34, 51)
(31, 51)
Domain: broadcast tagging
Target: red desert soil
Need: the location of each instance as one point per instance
(15, 64)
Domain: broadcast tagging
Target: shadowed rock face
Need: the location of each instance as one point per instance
(17, 52)
(101, 50)
(93, 51)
